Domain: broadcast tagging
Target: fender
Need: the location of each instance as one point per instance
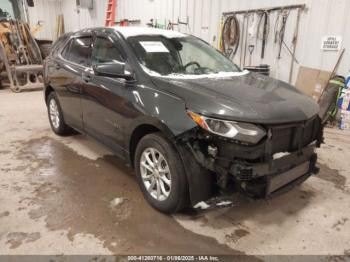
(167, 113)
(157, 108)
(200, 181)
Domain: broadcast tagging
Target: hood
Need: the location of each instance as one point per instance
(250, 98)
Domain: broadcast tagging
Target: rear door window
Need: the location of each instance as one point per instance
(78, 51)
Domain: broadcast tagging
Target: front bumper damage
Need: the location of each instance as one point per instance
(264, 179)
(257, 171)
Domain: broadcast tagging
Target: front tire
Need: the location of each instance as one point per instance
(160, 174)
(56, 117)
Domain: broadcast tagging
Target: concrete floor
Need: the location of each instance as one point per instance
(72, 196)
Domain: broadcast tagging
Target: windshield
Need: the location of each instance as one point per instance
(186, 56)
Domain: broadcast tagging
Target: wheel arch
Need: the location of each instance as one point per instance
(199, 180)
(141, 130)
(49, 89)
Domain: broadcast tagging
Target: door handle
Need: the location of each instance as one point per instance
(57, 66)
(86, 77)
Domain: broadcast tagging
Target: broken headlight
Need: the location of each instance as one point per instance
(243, 132)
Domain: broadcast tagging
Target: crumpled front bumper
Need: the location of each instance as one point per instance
(269, 179)
(265, 179)
(283, 159)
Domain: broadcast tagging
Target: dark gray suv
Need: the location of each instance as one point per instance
(194, 127)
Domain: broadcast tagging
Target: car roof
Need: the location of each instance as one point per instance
(137, 31)
(133, 31)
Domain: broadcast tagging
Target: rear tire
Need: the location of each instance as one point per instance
(45, 49)
(165, 191)
(56, 117)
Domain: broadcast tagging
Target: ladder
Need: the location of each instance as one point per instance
(111, 13)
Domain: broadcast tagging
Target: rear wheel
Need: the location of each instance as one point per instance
(45, 48)
(160, 174)
(56, 117)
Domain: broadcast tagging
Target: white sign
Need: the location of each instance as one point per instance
(154, 47)
(331, 43)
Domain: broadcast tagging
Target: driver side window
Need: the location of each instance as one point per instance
(105, 50)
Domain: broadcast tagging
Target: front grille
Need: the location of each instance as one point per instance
(288, 138)
(243, 172)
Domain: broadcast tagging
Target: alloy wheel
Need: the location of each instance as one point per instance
(54, 114)
(155, 174)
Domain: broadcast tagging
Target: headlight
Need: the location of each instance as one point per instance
(243, 132)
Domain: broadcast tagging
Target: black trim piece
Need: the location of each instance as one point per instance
(289, 186)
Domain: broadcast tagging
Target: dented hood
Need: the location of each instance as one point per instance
(250, 98)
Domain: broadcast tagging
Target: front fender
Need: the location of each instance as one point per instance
(162, 110)
(155, 108)
(167, 113)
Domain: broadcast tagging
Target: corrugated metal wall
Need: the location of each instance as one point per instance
(74, 18)
(79, 18)
(323, 17)
(45, 12)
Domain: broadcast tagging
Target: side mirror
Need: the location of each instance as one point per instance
(113, 69)
(30, 3)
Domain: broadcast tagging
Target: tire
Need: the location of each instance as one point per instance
(178, 196)
(58, 125)
(45, 49)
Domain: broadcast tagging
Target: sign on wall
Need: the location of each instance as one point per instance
(331, 43)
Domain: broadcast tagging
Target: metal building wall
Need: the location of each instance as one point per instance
(74, 18)
(81, 18)
(46, 12)
(323, 17)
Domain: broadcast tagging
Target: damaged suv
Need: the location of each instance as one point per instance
(192, 124)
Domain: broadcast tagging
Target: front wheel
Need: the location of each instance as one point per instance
(160, 174)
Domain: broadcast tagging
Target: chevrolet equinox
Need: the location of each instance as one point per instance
(194, 126)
